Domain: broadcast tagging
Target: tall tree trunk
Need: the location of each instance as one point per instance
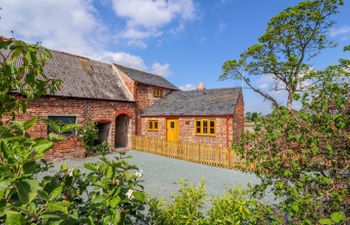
(290, 101)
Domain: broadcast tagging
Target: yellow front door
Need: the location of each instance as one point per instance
(172, 133)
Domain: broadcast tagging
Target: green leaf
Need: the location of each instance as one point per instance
(140, 196)
(325, 221)
(27, 190)
(42, 145)
(295, 208)
(56, 193)
(90, 166)
(337, 217)
(29, 123)
(14, 218)
(59, 206)
(64, 167)
(56, 137)
(114, 202)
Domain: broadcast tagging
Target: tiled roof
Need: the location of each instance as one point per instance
(146, 78)
(85, 78)
(199, 102)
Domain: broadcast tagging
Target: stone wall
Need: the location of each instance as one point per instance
(83, 109)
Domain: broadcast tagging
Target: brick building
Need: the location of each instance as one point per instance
(208, 116)
(122, 101)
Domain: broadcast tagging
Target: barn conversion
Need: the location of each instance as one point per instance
(122, 102)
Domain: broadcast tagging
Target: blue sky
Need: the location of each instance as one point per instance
(187, 41)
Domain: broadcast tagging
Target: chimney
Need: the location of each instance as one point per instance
(200, 86)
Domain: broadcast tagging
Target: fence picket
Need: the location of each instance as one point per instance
(212, 155)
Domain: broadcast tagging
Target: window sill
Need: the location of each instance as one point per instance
(153, 130)
(209, 135)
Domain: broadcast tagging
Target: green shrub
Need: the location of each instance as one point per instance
(190, 205)
(88, 135)
(108, 193)
(104, 147)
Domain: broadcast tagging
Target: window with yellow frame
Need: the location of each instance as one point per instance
(158, 93)
(205, 127)
(153, 125)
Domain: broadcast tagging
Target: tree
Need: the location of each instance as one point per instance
(292, 39)
(304, 155)
(22, 76)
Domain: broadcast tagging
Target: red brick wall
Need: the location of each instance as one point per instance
(238, 121)
(187, 130)
(144, 95)
(97, 110)
(129, 83)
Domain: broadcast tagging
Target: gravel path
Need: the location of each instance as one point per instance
(161, 174)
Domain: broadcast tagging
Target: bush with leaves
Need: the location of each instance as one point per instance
(191, 205)
(89, 135)
(109, 192)
(306, 154)
(103, 148)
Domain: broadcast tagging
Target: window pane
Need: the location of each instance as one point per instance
(150, 125)
(155, 124)
(62, 120)
(172, 124)
(198, 127)
(205, 127)
(212, 127)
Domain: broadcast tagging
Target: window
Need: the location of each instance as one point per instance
(62, 120)
(153, 125)
(158, 93)
(205, 127)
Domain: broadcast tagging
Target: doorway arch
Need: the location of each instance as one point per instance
(122, 123)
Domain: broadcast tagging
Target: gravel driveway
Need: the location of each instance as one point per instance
(161, 174)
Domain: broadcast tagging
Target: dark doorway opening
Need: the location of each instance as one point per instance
(103, 132)
(121, 131)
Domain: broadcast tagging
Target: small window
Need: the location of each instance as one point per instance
(172, 124)
(62, 120)
(153, 125)
(205, 127)
(158, 93)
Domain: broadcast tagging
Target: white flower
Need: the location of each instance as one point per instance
(139, 173)
(70, 172)
(129, 194)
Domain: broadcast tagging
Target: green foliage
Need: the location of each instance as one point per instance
(291, 40)
(107, 193)
(185, 209)
(21, 73)
(305, 154)
(59, 129)
(104, 147)
(190, 205)
(88, 135)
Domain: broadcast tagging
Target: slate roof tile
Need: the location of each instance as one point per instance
(146, 78)
(199, 102)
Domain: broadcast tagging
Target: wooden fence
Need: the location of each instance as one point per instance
(198, 153)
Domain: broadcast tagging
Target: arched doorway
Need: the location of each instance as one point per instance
(121, 131)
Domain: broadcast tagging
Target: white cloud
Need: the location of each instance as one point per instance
(339, 31)
(187, 87)
(65, 25)
(161, 69)
(74, 27)
(136, 62)
(146, 18)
